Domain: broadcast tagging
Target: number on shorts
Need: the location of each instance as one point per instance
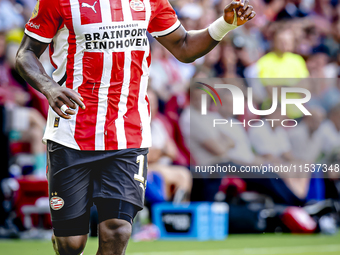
(139, 176)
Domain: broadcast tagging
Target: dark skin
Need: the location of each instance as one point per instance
(186, 46)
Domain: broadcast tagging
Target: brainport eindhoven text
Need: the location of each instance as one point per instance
(114, 39)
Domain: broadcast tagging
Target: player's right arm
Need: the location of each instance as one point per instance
(30, 68)
(187, 46)
(40, 30)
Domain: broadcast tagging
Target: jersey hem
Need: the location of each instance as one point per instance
(38, 37)
(167, 31)
(44, 140)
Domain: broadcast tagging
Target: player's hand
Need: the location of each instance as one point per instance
(244, 12)
(58, 96)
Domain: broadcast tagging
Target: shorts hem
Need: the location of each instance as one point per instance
(117, 215)
(123, 199)
(71, 217)
(68, 232)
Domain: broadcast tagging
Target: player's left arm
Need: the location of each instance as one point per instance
(187, 46)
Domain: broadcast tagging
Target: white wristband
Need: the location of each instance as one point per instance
(219, 28)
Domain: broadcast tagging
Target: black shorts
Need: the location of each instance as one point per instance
(113, 180)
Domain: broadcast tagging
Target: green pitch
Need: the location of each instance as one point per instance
(262, 244)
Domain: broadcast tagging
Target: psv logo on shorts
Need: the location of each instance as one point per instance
(137, 5)
(56, 203)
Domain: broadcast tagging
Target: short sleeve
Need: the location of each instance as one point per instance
(45, 21)
(163, 19)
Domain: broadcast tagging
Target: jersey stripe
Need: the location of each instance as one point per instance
(133, 125)
(59, 55)
(137, 14)
(90, 11)
(116, 82)
(102, 102)
(70, 59)
(126, 11)
(116, 11)
(143, 101)
(85, 130)
(120, 127)
(121, 137)
(77, 65)
(149, 107)
(143, 104)
(147, 10)
(72, 48)
(106, 10)
(51, 51)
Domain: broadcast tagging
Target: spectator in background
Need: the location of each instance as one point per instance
(282, 62)
(177, 179)
(26, 123)
(324, 9)
(229, 62)
(207, 69)
(206, 145)
(10, 16)
(306, 139)
(318, 67)
(249, 46)
(331, 97)
(167, 76)
(307, 146)
(292, 9)
(271, 141)
(242, 153)
(330, 130)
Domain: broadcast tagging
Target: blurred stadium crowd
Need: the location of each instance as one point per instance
(287, 39)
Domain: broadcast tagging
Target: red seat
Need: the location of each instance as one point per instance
(30, 190)
(18, 147)
(173, 109)
(239, 185)
(183, 155)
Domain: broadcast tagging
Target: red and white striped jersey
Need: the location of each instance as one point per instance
(100, 49)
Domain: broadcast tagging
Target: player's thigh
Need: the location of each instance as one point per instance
(70, 190)
(115, 224)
